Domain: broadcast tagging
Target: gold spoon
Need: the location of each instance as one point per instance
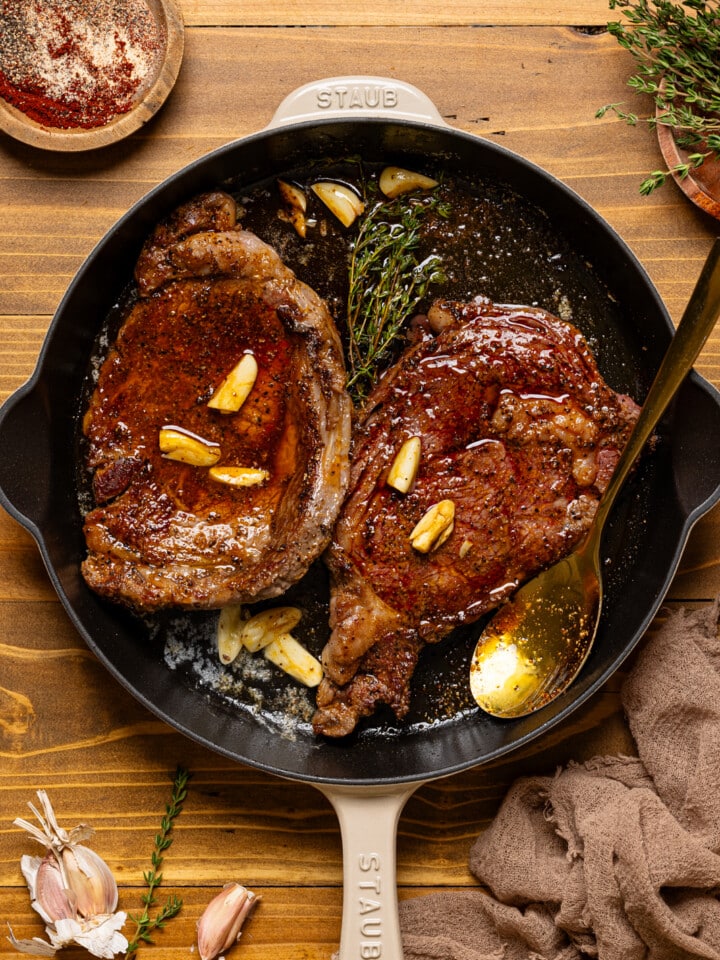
(536, 644)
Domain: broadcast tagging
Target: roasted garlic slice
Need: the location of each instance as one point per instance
(294, 207)
(340, 200)
(405, 465)
(396, 180)
(235, 388)
(292, 657)
(239, 476)
(178, 444)
(434, 527)
(230, 625)
(268, 625)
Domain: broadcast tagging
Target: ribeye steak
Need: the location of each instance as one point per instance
(165, 532)
(520, 434)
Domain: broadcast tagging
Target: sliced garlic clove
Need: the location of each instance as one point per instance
(235, 388)
(239, 476)
(405, 465)
(434, 527)
(293, 196)
(230, 623)
(340, 200)
(444, 535)
(465, 548)
(178, 444)
(292, 657)
(268, 625)
(395, 180)
(295, 205)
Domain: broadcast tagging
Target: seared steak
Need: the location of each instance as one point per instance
(164, 532)
(519, 431)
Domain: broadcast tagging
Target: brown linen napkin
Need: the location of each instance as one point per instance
(618, 858)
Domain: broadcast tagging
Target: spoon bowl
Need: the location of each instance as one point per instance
(536, 644)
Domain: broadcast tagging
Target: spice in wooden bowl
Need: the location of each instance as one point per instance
(77, 74)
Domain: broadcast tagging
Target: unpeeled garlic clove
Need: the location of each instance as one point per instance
(395, 180)
(340, 200)
(220, 926)
(90, 880)
(48, 889)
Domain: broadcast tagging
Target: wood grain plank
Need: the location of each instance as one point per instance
(297, 924)
(392, 14)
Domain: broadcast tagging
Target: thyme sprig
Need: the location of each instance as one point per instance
(676, 47)
(386, 282)
(145, 924)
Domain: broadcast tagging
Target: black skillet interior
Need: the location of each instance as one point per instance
(674, 485)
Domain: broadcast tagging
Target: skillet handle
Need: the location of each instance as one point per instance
(368, 819)
(356, 96)
(25, 466)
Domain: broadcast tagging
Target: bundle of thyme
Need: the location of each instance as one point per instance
(386, 283)
(676, 47)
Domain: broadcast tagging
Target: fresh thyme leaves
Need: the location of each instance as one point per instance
(144, 923)
(386, 283)
(676, 47)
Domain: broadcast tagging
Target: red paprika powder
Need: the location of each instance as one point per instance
(77, 63)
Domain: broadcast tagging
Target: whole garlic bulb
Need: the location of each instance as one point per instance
(72, 888)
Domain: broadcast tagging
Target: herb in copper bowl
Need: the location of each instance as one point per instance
(676, 47)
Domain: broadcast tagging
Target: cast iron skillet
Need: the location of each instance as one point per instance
(368, 779)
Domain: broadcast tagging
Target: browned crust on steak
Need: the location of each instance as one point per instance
(520, 431)
(163, 533)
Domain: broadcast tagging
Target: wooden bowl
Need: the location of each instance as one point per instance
(150, 98)
(702, 185)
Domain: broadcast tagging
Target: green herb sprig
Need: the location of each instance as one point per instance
(386, 283)
(676, 47)
(144, 923)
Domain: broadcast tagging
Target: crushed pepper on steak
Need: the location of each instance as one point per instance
(518, 430)
(165, 533)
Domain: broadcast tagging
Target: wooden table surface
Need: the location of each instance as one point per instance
(528, 74)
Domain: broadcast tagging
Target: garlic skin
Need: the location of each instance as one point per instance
(220, 926)
(72, 889)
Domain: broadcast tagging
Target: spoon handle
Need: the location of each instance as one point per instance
(694, 328)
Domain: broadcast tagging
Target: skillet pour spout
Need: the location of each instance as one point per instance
(642, 548)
